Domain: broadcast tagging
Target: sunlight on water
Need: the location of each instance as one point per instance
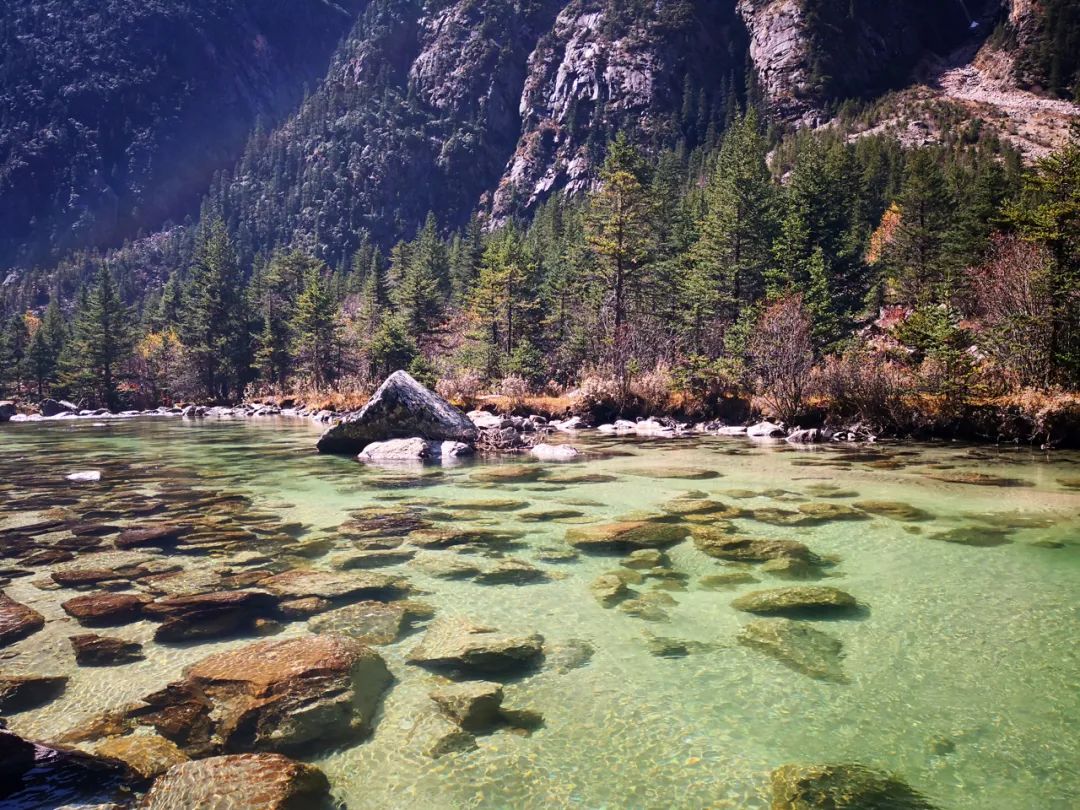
(960, 671)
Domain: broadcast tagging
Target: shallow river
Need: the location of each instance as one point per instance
(962, 668)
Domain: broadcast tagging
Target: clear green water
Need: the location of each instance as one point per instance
(974, 644)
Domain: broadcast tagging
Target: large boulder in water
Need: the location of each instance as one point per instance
(401, 409)
(7, 410)
(271, 695)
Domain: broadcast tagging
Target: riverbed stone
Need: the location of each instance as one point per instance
(367, 622)
(401, 408)
(723, 581)
(161, 535)
(209, 615)
(473, 705)
(102, 609)
(17, 621)
(271, 696)
(435, 735)
(609, 589)
(896, 510)
(841, 787)
(798, 600)
(454, 642)
(19, 693)
(148, 754)
(511, 572)
(798, 646)
(626, 535)
(239, 782)
(298, 583)
(791, 568)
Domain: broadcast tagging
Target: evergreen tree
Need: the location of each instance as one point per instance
(14, 344)
(505, 296)
(46, 346)
(421, 281)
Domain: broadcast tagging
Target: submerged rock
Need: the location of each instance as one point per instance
(92, 650)
(511, 572)
(798, 646)
(742, 548)
(161, 535)
(453, 642)
(401, 408)
(435, 735)
(105, 609)
(841, 787)
(804, 600)
(554, 452)
(209, 615)
(791, 568)
(626, 535)
(716, 582)
(298, 583)
(271, 695)
(17, 621)
(897, 510)
(239, 782)
(19, 693)
(473, 705)
(367, 622)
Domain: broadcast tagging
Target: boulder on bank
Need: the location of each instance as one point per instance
(402, 408)
(766, 430)
(239, 782)
(7, 410)
(554, 452)
(271, 695)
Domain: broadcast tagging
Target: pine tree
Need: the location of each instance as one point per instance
(14, 343)
(505, 296)
(731, 256)
(619, 230)
(46, 346)
(102, 342)
(421, 281)
(316, 344)
(214, 327)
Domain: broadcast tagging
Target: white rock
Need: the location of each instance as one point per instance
(765, 430)
(554, 452)
(483, 420)
(731, 430)
(84, 475)
(414, 449)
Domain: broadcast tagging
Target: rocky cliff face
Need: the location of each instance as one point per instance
(808, 53)
(114, 114)
(116, 123)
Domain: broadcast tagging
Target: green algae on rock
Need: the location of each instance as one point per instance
(797, 601)
(841, 787)
(626, 535)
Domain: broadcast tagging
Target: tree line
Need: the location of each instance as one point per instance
(690, 274)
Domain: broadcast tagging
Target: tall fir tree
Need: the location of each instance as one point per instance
(101, 343)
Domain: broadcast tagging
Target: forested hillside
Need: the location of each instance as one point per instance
(636, 202)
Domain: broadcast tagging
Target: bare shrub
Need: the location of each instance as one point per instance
(653, 388)
(462, 389)
(600, 394)
(782, 357)
(867, 387)
(515, 390)
(1013, 298)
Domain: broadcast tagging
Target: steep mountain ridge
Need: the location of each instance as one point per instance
(447, 106)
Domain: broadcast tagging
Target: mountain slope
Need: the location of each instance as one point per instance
(114, 114)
